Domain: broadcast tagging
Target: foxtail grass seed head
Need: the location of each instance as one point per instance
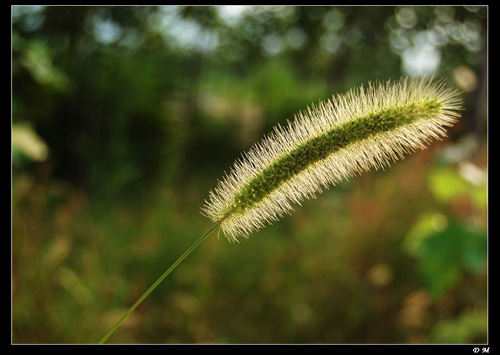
(367, 128)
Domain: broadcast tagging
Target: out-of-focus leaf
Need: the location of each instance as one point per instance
(446, 184)
(469, 327)
(426, 227)
(27, 142)
(477, 179)
(36, 58)
(444, 249)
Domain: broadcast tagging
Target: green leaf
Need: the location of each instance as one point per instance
(426, 227)
(446, 184)
(444, 250)
(468, 327)
(36, 58)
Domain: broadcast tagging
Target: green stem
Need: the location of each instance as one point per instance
(157, 282)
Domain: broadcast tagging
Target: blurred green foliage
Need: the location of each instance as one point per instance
(124, 117)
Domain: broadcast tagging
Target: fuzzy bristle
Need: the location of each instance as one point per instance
(365, 129)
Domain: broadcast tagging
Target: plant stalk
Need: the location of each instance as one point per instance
(159, 280)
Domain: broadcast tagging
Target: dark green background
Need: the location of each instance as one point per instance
(123, 118)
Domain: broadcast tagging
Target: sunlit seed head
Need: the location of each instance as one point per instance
(365, 129)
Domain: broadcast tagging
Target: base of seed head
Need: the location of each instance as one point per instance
(365, 129)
